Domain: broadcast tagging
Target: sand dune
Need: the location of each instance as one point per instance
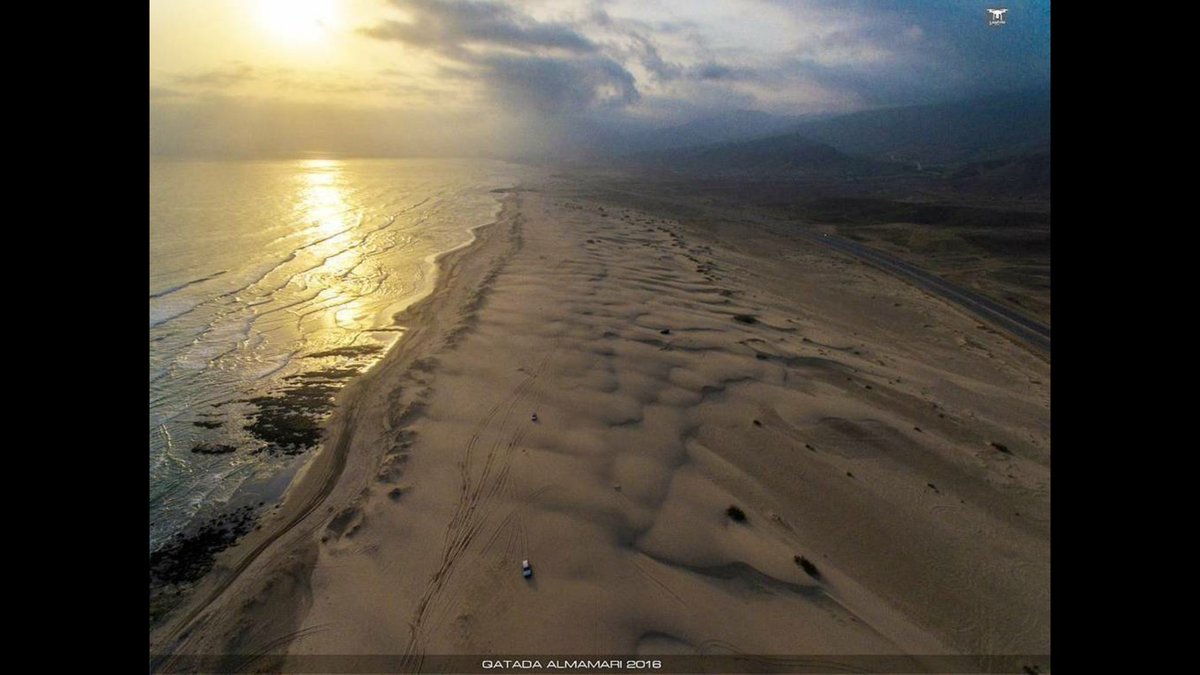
(675, 373)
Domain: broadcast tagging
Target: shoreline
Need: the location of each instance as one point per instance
(760, 446)
(225, 447)
(318, 477)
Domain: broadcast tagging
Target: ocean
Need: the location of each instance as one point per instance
(271, 284)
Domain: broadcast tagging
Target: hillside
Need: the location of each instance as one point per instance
(783, 154)
(968, 131)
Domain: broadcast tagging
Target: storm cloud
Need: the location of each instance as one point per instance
(779, 55)
(522, 63)
(449, 27)
(548, 70)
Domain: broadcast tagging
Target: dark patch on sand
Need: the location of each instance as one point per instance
(213, 449)
(807, 565)
(291, 420)
(187, 556)
(353, 351)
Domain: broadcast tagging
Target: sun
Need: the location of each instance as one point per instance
(301, 22)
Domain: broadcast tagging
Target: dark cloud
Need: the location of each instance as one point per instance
(610, 65)
(635, 41)
(720, 71)
(524, 64)
(600, 17)
(931, 51)
(552, 85)
(648, 55)
(450, 26)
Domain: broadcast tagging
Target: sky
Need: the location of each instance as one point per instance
(249, 78)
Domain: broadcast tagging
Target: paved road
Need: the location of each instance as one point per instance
(1033, 332)
(1030, 331)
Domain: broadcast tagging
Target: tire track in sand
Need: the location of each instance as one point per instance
(475, 492)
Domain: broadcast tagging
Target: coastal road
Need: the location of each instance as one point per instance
(1031, 332)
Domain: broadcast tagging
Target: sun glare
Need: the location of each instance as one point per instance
(322, 202)
(298, 21)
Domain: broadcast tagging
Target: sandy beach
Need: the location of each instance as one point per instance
(744, 443)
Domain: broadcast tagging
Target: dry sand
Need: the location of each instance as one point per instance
(870, 429)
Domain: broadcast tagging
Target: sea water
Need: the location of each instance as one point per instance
(277, 276)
